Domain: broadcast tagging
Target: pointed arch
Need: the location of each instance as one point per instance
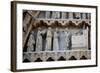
(50, 59)
(83, 58)
(26, 60)
(72, 58)
(61, 58)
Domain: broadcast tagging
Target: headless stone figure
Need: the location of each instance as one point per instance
(48, 40)
(55, 40)
(31, 42)
(39, 41)
(62, 40)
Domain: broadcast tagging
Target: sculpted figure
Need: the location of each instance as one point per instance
(31, 42)
(48, 40)
(39, 41)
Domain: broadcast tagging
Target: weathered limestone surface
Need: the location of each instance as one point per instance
(55, 41)
(48, 40)
(53, 44)
(55, 56)
(39, 41)
(31, 42)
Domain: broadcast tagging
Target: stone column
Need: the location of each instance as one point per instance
(69, 40)
(55, 40)
(63, 15)
(47, 14)
(84, 16)
(53, 15)
(39, 41)
(66, 39)
(48, 40)
(89, 15)
(70, 15)
(26, 21)
(43, 34)
(77, 15)
(56, 15)
(31, 42)
(85, 34)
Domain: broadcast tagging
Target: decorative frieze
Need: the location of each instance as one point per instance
(57, 56)
(58, 36)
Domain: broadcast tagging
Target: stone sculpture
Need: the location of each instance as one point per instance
(48, 40)
(39, 40)
(31, 42)
(55, 40)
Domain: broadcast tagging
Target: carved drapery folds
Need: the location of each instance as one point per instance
(57, 33)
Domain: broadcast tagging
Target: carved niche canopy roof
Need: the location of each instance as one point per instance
(57, 24)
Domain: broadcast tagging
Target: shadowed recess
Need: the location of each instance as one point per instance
(38, 60)
(50, 59)
(83, 58)
(72, 58)
(61, 59)
(26, 60)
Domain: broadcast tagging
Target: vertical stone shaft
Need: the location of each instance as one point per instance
(84, 16)
(70, 15)
(55, 15)
(47, 14)
(63, 15)
(77, 15)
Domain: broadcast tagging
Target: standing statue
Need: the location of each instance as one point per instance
(39, 40)
(48, 40)
(61, 40)
(31, 42)
(55, 40)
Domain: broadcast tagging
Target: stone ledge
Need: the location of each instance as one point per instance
(57, 56)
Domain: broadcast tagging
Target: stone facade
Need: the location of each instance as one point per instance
(60, 40)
